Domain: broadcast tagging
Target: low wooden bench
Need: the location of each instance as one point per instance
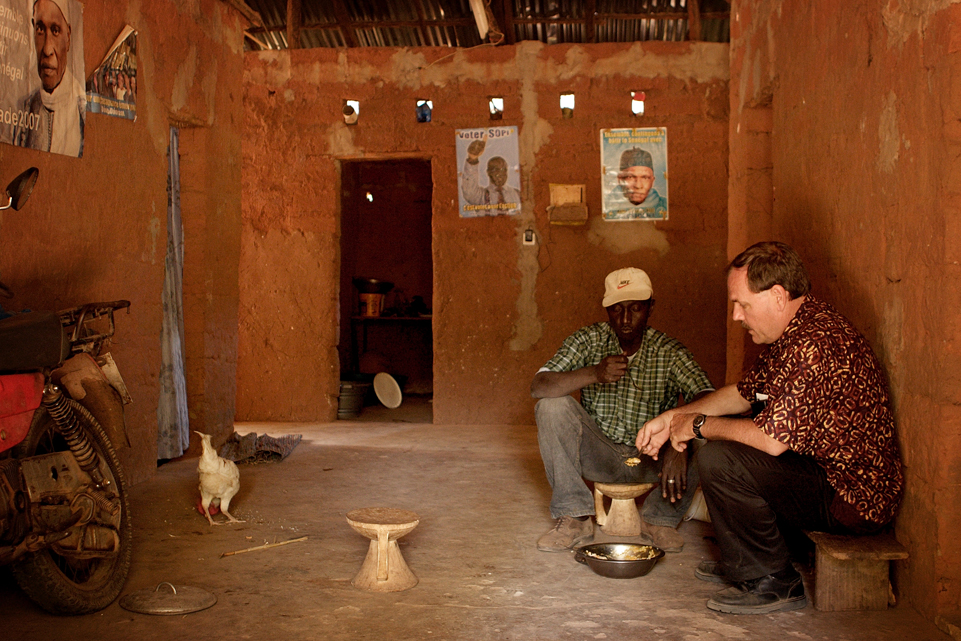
(852, 572)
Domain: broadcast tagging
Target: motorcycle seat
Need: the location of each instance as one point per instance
(32, 341)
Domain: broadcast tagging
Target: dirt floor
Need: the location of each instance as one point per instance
(482, 499)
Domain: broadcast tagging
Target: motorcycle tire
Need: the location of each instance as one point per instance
(58, 584)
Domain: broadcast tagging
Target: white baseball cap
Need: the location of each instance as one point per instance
(629, 283)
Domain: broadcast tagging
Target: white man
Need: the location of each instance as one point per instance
(819, 453)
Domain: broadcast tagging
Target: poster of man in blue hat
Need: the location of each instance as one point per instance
(634, 173)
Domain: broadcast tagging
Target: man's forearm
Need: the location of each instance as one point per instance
(740, 430)
(726, 401)
(557, 384)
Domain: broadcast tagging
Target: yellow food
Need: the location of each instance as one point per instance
(642, 554)
(631, 462)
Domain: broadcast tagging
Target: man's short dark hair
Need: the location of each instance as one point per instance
(771, 263)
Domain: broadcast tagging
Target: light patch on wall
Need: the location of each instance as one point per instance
(703, 62)
(892, 334)
(528, 327)
(153, 228)
(340, 140)
(627, 236)
(289, 95)
(184, 80)
(209, 87)
(889, 135)
(904, 19)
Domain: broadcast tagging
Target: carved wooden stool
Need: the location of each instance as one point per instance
(622, 519)
(384, 569)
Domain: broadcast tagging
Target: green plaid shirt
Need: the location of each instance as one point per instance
(661, 370)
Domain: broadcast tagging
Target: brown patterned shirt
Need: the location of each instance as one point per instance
(827, 398)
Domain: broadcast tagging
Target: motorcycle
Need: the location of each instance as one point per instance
(65, 527)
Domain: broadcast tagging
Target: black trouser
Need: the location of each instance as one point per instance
(755, 498)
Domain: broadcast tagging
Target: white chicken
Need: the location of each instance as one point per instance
(219, 481)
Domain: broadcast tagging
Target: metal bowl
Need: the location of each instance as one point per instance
(372, 286)
(619, 560)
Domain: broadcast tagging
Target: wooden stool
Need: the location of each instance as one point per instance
(622, 519)
(384, 569)
(851, 572)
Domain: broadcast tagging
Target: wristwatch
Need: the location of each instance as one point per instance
(697, 425)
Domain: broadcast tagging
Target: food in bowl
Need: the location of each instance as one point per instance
(619, 560)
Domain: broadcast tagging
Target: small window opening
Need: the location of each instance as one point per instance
(637, 103)
(351, 111)
(567, 105)
(496, 105)
(423, 110)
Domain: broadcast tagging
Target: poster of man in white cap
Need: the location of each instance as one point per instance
(42, 97)
(495, 150)
(634, 173)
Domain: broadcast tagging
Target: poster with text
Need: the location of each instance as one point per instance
(634, 173)
(42, 99)
(112, 88)
(488, 176)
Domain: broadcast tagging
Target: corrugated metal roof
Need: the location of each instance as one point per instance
(451, 23)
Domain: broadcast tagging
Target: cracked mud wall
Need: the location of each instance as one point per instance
(500, 309)
(861, 158)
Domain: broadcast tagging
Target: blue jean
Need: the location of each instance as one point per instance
(573, 448)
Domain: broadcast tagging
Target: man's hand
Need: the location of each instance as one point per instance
(682, 430)
(673, 474)
(653, 435)
(476, 149)
(611, 368)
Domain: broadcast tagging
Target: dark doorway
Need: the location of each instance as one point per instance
(386, 236)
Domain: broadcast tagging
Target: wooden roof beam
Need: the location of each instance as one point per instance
(295, 23)
(343, 20)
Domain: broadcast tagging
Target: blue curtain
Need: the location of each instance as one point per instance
(173, 424)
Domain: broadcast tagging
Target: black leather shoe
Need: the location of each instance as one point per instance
(779, 592)
(710, 571)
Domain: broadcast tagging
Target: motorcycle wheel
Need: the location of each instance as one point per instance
(69, 586)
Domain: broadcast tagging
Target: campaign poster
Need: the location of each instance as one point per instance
(112, 88)
(634, 173)
(42, 99)
(488, 176)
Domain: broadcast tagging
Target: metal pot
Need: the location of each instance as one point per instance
(372, 286)
(619, 560)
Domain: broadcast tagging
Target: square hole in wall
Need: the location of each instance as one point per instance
(423, 110)
(496, 106)
(567, 105)
(637, 103)
(351, 111)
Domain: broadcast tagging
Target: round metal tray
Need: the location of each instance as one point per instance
(168, 599)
